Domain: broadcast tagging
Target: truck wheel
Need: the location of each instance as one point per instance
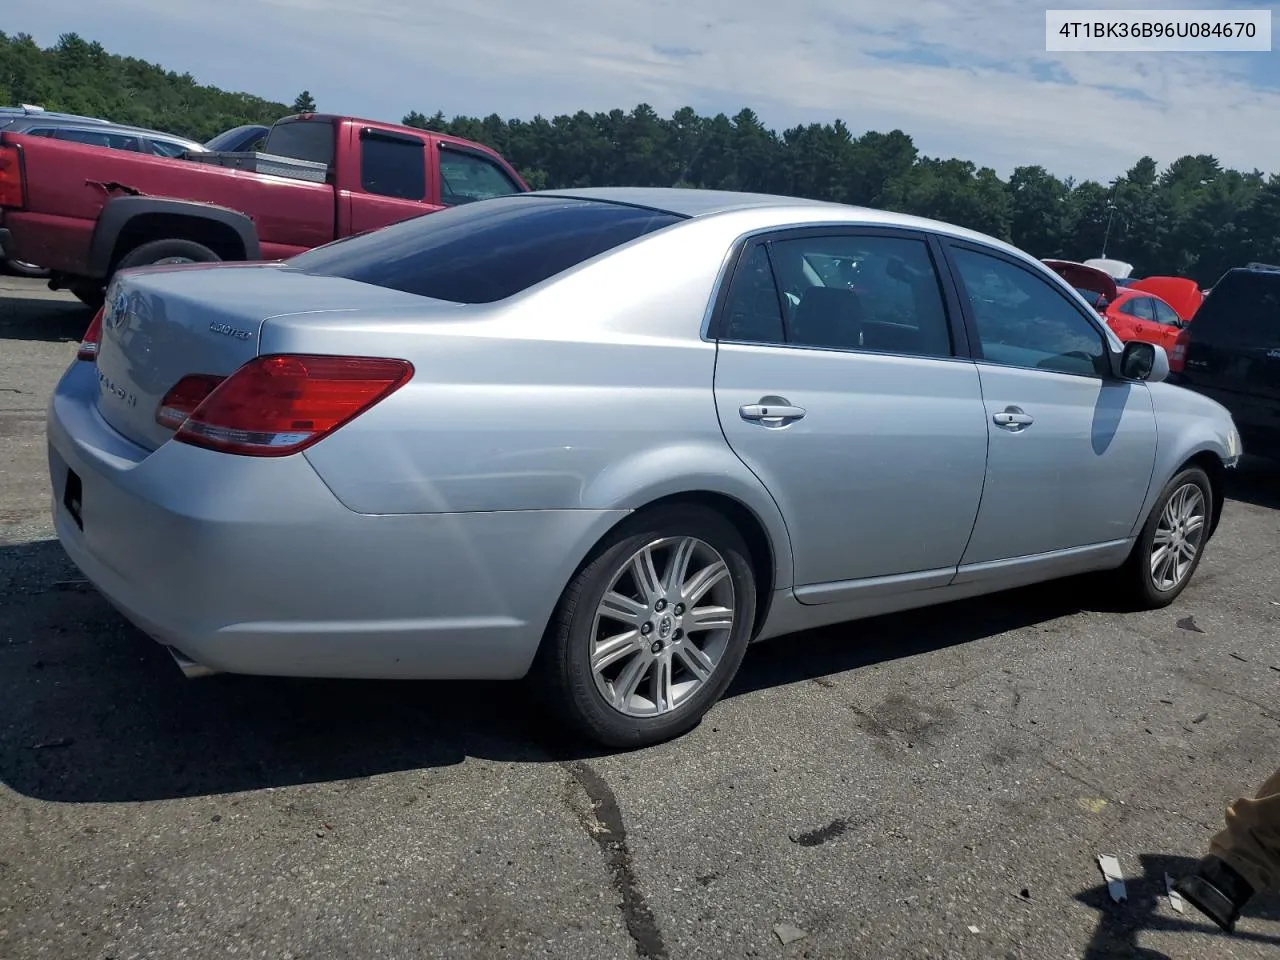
(167, 251)
(20, 268)
(91, 293)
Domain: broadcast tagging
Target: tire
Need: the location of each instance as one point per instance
(167, 251)
(90, 293)
(1188, 495)
(582, 697)
(20, 268)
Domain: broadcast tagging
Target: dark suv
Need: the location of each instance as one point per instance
(1230, 352)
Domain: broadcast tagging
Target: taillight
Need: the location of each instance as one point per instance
(92, 338)
(1178, 352)
(11, 192)
(277, 405)
(183, 398)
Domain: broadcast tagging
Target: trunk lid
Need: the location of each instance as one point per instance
(1087, 280)
(162, 323)
(1181, 293)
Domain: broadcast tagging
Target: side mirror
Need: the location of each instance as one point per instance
(1144, 361)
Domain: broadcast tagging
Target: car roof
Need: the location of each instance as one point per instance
(26, 123)
(27, 110)
(697, 203)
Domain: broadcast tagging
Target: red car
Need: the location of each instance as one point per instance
(1133, 313)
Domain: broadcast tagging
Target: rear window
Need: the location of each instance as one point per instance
(310, 140)
(1244, 308)
(484, 251)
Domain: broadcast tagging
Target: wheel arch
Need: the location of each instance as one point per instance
(127, 222)
(1211, 463)
(766, 538)
(702, 471)
(760, 547)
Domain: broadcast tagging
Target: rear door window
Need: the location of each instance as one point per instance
(98, 138)
(484, 252)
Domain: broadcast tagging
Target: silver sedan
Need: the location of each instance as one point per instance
(608, 438)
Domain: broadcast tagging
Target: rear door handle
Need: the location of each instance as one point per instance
(771, 411)
(1013, 418)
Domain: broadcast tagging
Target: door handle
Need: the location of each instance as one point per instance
(771, 411)
(1013, 418)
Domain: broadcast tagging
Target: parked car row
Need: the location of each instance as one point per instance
(1223, 341)
(83, 212)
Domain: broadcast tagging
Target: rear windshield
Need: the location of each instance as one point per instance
(1091, 296)
(484, 251)
(310, 140)
(1243, 308)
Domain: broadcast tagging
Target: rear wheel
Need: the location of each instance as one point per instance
(167, 251)
(649, 634)
(1171, 543)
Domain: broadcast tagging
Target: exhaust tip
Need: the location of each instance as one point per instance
(190, 669)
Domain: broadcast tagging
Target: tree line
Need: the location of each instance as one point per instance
(1193, 218)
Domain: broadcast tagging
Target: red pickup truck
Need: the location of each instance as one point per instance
(86, 211)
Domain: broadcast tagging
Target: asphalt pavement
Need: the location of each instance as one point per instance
(937, 784)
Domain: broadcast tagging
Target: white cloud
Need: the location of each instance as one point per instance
(798, 61)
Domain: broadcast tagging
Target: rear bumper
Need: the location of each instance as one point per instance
(253, 566)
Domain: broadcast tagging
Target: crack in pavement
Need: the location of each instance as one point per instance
(610, 834)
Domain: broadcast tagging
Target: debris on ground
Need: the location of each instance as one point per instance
(973, 929)
(788, 933)
(1189, 623)
(1200, 719)
(1240, 658)
(1114, 876)
(1092, 804)
(1175, 898)
(47, 744)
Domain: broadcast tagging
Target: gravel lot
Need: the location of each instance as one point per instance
(929, 785)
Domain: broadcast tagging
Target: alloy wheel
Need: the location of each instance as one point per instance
(662, 626)
(1178, 537)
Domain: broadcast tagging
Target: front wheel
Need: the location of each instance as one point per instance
(20, 268)
(649, 634)
(1171, 543)
(91, 293)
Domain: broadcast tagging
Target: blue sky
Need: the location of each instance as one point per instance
(966, 78)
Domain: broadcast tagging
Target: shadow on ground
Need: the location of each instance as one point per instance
(40, 318)
(1255, 481)
(1121, 925)
(92, 711)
